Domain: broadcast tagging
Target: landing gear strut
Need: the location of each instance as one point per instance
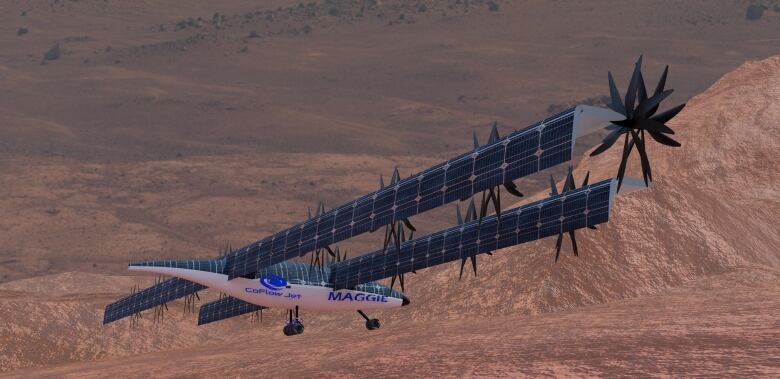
(371, 323)
(293, 326)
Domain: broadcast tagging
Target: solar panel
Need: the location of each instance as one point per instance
(225, 308)
(208, 265)
(586, 206)
(521, 153)
(158, 294)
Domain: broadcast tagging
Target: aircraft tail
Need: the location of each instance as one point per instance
(151, 297)
(186, 273)
(216, 266)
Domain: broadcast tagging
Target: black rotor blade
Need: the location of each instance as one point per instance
(608, 141)
(632, 88)
(668, 114)
(617, 102)
(568, 185)
(627, 146)
(471, 212)
(640, 146)
(659, 89)
(558, 246)
(642, 110)
(664, 139)
(642, 89)
(653, 126)
(511, 187)
(332, 254)
(409, 225)
(573, 243)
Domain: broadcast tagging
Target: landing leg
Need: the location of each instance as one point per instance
(293, 326)
(371, 323)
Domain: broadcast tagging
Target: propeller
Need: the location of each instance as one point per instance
(568, 186)
(159, 311)
(189, 302)
(639, 120)
(394, 239)
(135, 317)
(494, 194)
(471, 215)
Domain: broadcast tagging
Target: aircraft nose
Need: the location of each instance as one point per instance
(405, 300)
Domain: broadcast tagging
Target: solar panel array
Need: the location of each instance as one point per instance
(297, 273)
(519, 154)
(224, 308)
(153, 296)
(576, 209)
(208, 265)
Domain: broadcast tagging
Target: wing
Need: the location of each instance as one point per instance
(580, 208)
(158, 294)
(224, 308)
(544, 144)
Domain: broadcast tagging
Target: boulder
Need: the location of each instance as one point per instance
(754, 12)
(53, 53)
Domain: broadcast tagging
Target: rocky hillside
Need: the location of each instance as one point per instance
(714, 208)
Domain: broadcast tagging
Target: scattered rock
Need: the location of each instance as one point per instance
(254, 34)
(776, 8)
(22, 31)
(54, 52)
(243, 49)
(52, 211)
(492, 6)
(754, 12)
(187, 23)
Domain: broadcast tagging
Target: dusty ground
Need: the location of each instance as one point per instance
(156, 133)
(723, 326)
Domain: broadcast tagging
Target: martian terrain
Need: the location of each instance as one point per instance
(139, 129)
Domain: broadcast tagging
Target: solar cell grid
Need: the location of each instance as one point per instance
(158, 294)
(225, 308)
(521, 153)
(531, 222)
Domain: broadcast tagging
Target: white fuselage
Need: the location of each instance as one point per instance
(317, 298)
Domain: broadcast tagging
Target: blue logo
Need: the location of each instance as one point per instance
(273, 283)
